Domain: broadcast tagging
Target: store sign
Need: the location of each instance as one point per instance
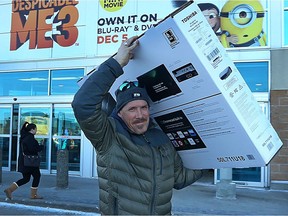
(42, 23)
(119, 20)
(237, 24)
(116, 32)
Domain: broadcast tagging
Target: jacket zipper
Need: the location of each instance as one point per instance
(152, 207)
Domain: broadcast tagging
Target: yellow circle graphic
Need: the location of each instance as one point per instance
(112, 5)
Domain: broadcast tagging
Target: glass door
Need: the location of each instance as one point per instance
(66, 134)
(39, 115)
(5, 135)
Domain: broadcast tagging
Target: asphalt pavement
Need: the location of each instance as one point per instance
(197, 199)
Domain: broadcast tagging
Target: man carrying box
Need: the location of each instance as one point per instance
(137, 165)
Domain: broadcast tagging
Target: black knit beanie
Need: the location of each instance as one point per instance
(131, 94)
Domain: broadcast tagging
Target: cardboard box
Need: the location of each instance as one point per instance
(200, 99)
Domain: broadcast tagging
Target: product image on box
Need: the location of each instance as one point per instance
(225, 74)
(185, 72)
(180, 131)
(158, 83)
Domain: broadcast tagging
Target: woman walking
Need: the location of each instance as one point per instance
(28, 146)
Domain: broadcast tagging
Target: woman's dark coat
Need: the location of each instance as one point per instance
(30, 145)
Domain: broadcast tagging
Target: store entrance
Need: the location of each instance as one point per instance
(57, 129)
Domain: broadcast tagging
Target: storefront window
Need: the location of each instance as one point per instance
(5, 115)
(35, 83)
(4, 144)
(252, 174)
(285, 23)
(64, 82)
(255, 74)
(24, 83)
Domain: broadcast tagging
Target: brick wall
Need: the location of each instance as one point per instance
(279, 120)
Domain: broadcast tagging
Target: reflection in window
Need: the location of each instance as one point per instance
(255, 74)
(5, 115)
(44, 153)
(24, 83)
(64, 82)
(38, 116)
(252, 174)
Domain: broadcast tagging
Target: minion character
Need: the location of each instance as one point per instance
(243, 18)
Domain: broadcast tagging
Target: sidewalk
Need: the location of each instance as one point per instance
(197, 199)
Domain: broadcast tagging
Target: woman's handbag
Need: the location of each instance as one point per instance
(31, 160)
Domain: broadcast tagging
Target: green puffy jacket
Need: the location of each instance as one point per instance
(137, 173)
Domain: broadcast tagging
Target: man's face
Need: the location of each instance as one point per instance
(136, 115)
(212, 17)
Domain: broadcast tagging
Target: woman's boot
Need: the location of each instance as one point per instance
(34, 193)
(10, 190)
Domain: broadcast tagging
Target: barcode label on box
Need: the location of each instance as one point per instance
(213, 54)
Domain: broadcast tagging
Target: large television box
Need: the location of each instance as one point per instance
(199, 98)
